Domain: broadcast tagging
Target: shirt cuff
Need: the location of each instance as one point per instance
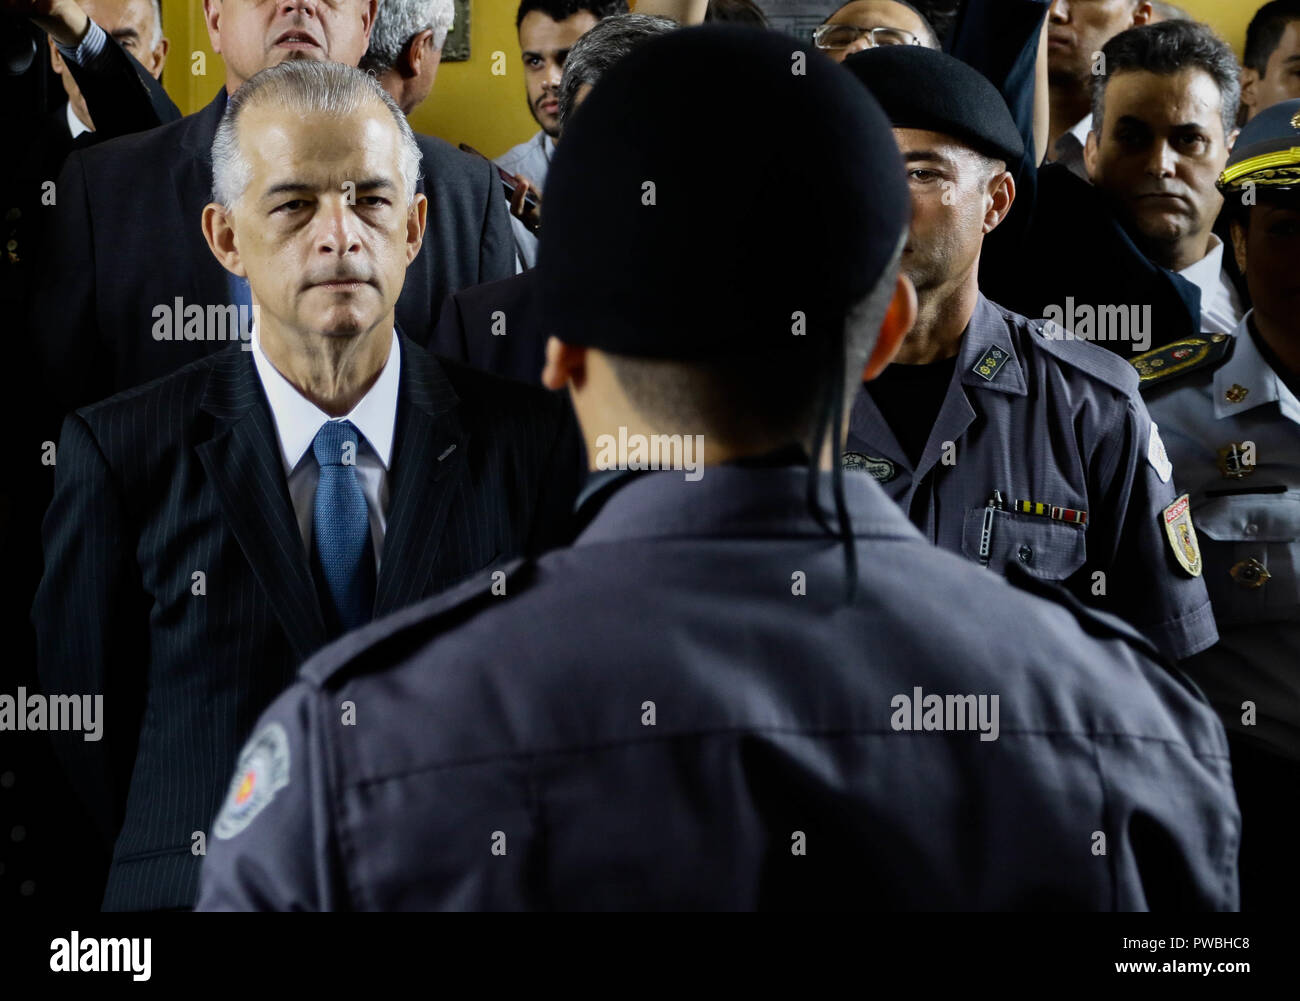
(89, 50)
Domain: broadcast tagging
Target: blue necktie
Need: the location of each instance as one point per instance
(340, 534)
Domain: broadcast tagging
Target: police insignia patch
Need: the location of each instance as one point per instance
(882, 470)
(987, 367)
(1157, 456)
(1182, 535)
(263, 769)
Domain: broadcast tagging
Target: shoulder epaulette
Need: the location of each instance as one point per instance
(380, 643)
(1192, 354)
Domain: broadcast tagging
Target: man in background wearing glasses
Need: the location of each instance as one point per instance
(864, 24)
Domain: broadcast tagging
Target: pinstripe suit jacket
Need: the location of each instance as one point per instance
(182, 477)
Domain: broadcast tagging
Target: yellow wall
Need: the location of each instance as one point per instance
(470, 104)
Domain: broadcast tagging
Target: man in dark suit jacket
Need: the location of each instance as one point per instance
(206, 537)
(125, 238)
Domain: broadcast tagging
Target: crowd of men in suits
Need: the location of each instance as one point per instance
(330, 520)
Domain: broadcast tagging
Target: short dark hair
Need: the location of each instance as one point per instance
(1165, 49)
(562, 10)
(772, 396)
(1265, 32)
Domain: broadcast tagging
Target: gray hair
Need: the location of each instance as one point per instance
(303, 87)
(605, 44)
(398, 21)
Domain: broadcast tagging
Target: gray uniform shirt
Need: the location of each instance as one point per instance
(1246, 508)
(1058, 425)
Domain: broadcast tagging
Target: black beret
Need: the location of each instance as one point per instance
(925, 89)
(718, 189)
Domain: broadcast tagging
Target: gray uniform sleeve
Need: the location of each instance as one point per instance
(272, 846)
(1145, 582)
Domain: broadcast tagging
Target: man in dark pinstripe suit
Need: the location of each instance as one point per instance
(210, 530)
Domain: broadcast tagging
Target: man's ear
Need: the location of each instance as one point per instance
(371, 12)
(160, 57)
(416, 218)
(565, 364)
(56, 60)
(1249, 81)
(1239, 245)
(220, 235)
(1232, 139)
(898, 321)
(1142, 14)
(212, 19)
(1002, 190)
(1090, 151)
(418, 51)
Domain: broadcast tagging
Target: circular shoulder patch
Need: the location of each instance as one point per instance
(262, 770)
(881, 469)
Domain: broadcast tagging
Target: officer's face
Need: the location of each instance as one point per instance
(1077, 29)
(251, 35)
(1266, 251)
(1281, 79)
(1158, 153)
(132, 24)
(875, 14)
(957, 197)
(545, 45)
(323, 230)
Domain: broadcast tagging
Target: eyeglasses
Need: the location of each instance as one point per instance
(841, 36)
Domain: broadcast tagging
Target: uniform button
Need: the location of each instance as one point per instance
(1026, 554)
(1252, 529)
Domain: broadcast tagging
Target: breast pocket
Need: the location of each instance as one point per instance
(1052, 550)
(1252, 554)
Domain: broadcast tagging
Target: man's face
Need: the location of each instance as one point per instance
(323, 231)
(132, 23)
(874, 14)
(1267, 251)
(1079, 28)
(951, 201)
(1281, 79)
(545, 45)
(251, 35)
(1159, 152)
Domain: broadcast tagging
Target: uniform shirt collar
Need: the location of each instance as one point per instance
(988, 357)
(1208, 276)
(1247, 370)
(297, 419)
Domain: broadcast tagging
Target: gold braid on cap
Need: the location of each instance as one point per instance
(1282, 167)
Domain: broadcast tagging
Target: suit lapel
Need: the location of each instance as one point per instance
(429, 462)
(243, 464)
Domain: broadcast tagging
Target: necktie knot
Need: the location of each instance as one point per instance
(335, 444)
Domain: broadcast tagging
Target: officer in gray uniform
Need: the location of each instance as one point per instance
(749, 683)
(1229, 411)
(1005, 440)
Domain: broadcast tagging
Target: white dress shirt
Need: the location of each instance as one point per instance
(75, 125)
(297, 420)
(1221, 310)
(1069, 148)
